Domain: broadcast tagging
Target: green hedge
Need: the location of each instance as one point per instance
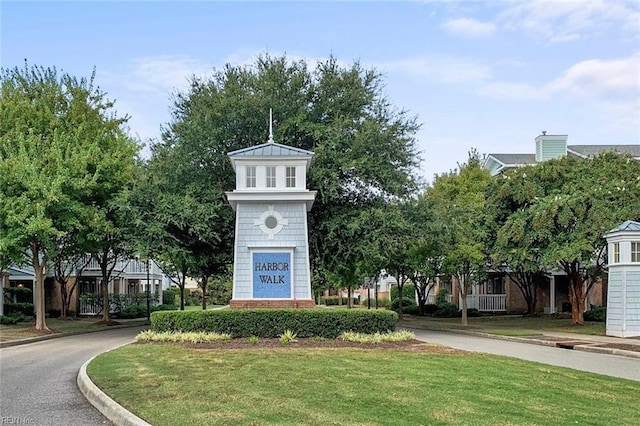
(335, 300)
(24, 308)
(598, 314)
(327, 323)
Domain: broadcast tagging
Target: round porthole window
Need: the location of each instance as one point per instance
(271, 222)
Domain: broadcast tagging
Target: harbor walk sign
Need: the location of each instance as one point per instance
(272, 275)
(271, 248)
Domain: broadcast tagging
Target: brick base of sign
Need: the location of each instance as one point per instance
(252, 304)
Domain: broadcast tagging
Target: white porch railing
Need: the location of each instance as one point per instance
(487, 302)
(132, 266)
(89, 307)
(431, 299)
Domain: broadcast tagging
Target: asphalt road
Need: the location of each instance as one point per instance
(38, 380)
(606, 364)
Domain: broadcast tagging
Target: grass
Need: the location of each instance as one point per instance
(26, 329)
(172, 385)
(511, 325)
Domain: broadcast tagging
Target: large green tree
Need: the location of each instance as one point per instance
(459, 206)
(561, 209)
(55, 131)
(364, 147)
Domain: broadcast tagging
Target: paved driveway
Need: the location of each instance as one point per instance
(38, 380)
(610, 365)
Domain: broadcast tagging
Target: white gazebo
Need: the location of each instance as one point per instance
(623, 295)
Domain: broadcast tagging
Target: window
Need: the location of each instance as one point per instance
(495, 285)
(291, 177)
(251, 176)
(271, 177)
(635, 251)
(615, 256)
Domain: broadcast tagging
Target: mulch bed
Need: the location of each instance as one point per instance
(265, 343)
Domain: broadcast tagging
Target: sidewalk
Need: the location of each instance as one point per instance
(629, 347)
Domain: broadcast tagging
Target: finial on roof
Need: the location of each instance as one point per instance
(270, 125)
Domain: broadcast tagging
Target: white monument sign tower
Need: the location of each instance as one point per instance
(623, 294)
(271, 250)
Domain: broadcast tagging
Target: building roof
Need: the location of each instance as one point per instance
(509, 159)
(271, 149)
(593, 150)
(628, 225)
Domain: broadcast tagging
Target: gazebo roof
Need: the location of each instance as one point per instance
(628, 225)
(271, 149)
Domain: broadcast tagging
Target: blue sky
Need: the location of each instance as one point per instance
(484, 75)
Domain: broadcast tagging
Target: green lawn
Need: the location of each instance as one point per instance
(170, 385)
(26, 328)
(509, 325)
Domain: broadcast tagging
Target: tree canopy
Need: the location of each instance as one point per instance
(60, 147)
(364, 147)
(555, 214)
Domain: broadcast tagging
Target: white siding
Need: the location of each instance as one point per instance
(292, 236)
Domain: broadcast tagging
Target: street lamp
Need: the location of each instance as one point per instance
(148, 294)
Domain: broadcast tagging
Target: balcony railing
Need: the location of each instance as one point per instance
(487, 302)
(132, 266)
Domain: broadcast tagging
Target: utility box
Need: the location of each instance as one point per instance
(623, 294)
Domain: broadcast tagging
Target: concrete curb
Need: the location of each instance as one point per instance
(610, 351)
(534, 341)
(113, 411)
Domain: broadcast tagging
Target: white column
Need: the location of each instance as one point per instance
(552, 295)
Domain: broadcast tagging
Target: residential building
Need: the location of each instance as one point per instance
(498, 292)
(128, 279)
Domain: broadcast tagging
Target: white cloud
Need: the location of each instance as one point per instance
(562, 21)
(470, 28)
(597, 77)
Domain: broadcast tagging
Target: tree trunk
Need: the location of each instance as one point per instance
(181, 297)
(400, 300)
(38, 267)
(203, 286)
(576, 297)
(106, 315)
(462, 292)
(349, 297)
(63, 299)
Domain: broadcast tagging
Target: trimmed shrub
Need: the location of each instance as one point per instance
(13, 308)
(430, 309)
(133, 311)
(382, 303)
(327, 323)
(164, 307)
(472, 312)
(335, 300)
(409, 306)
(408, 291)
(598, 314)
(446, 310)
(169, 296)
(11, 319)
